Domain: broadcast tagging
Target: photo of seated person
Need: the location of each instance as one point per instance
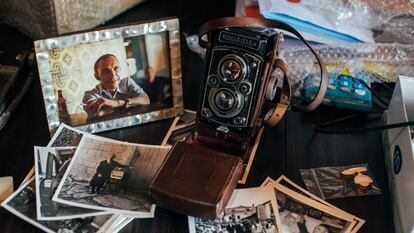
(320, 228)
(103, 173)
(158, 88)
(299, 223)
(112, 92)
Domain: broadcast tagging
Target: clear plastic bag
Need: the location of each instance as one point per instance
(337, 182)
(381, 62)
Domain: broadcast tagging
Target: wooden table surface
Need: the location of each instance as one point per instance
(284, 149)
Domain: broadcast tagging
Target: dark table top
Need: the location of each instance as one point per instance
(284, 149)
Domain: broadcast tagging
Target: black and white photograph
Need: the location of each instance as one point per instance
(22, 203)
(110, 77)
(119, 224)
(249, 210)
(284, 181)
(66, 136)
(115, 224)
(182, 129)
(300, 214)
(50, 165)
(189, 118)
(111, 176)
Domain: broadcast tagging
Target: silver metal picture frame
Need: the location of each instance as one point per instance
(70, 66)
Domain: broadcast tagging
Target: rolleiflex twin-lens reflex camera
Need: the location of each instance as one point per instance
(246, 82)
(245, 85)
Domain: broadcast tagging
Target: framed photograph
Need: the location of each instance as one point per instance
(111, 176)
(113, 77)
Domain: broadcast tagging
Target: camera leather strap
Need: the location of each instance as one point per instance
(266, 23)
(282, 104)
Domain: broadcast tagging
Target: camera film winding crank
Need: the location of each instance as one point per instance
(245, 86)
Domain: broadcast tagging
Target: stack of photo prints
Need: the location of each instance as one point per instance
(278, 206)
(86, 183)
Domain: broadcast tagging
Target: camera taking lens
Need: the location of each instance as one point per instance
(224, 100)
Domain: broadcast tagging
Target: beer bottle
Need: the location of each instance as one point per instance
(63, 109)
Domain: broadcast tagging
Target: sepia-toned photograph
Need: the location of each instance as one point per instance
(112, 176)
(301, 214)
(119, 73)
(22, 203)
(242, 214)
(50, 165)
(284, 181)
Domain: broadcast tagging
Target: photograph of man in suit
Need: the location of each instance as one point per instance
(103, 173)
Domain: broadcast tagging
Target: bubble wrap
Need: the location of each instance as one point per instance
(40, 18)
(378, 62)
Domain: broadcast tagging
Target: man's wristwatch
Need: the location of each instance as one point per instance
(126, 103)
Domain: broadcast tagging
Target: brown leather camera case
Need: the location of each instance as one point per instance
(195, 181)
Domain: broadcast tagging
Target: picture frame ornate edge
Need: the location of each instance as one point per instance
(50, 95)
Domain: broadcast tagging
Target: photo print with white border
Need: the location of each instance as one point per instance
(22, 203)
(248, 210)
(112, 176)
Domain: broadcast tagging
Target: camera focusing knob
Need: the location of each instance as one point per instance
(245, 88)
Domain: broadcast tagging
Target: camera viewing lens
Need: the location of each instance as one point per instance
(224, 100)
(231, 68)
